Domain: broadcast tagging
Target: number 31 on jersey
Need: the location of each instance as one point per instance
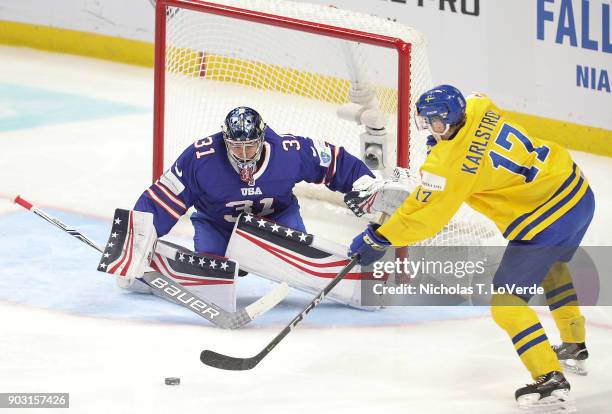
(201, 143)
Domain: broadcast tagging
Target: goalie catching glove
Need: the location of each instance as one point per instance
(371, 195)
(130, 246)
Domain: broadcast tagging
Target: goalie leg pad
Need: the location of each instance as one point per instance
(208, 276)
(283, 254)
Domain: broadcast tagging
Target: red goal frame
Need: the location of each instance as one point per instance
(402, 47)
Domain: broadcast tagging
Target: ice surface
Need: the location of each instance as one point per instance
(67, 328)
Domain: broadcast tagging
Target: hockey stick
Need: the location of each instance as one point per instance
(164, 248)
(179, 294)
(216, 360)
(74, 233)
(168, 288)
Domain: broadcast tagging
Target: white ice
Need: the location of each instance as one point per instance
(432, 361)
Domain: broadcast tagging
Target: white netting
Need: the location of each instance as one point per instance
(296, 80)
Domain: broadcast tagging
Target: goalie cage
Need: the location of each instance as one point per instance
(297, 64)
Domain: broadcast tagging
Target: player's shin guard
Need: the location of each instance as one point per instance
(521, 323)
(563, 304)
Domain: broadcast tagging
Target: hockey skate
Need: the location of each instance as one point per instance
(572, 357)
(550, 394)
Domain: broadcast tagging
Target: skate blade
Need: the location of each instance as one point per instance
(574, 366)
(559, 402)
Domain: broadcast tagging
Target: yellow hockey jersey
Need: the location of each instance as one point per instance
(521, 183)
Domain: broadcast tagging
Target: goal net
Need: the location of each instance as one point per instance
(297, 64)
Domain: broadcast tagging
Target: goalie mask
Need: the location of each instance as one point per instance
(438, 109)
(243, 133)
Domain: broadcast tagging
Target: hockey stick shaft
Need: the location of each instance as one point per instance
(220, 361)
(165, 249)
(206, 309)
(74, 233)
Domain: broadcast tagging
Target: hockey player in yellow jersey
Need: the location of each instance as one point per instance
(540, 201)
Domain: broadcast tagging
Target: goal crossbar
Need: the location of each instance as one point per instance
(402, 47)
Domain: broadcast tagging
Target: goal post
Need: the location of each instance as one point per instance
(329, 74)
(167, 10)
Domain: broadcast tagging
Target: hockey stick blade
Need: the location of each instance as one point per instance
(268, 301)
(216, 360)
(220, 361)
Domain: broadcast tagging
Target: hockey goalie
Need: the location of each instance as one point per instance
(248, 169)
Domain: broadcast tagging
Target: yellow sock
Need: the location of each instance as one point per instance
(521, 323)
(563, 303)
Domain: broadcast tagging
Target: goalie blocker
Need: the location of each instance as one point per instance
(303, 261)
(130, 246)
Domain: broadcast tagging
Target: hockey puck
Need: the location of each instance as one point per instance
(173, 381)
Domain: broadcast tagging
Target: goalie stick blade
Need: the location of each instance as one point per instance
(215, 360)
(267, 302)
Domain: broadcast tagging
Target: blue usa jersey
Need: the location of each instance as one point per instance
(204, 178)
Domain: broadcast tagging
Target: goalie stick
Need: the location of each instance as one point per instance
(216, 360)
(164, 248)
(167, 288)
(177, 293)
